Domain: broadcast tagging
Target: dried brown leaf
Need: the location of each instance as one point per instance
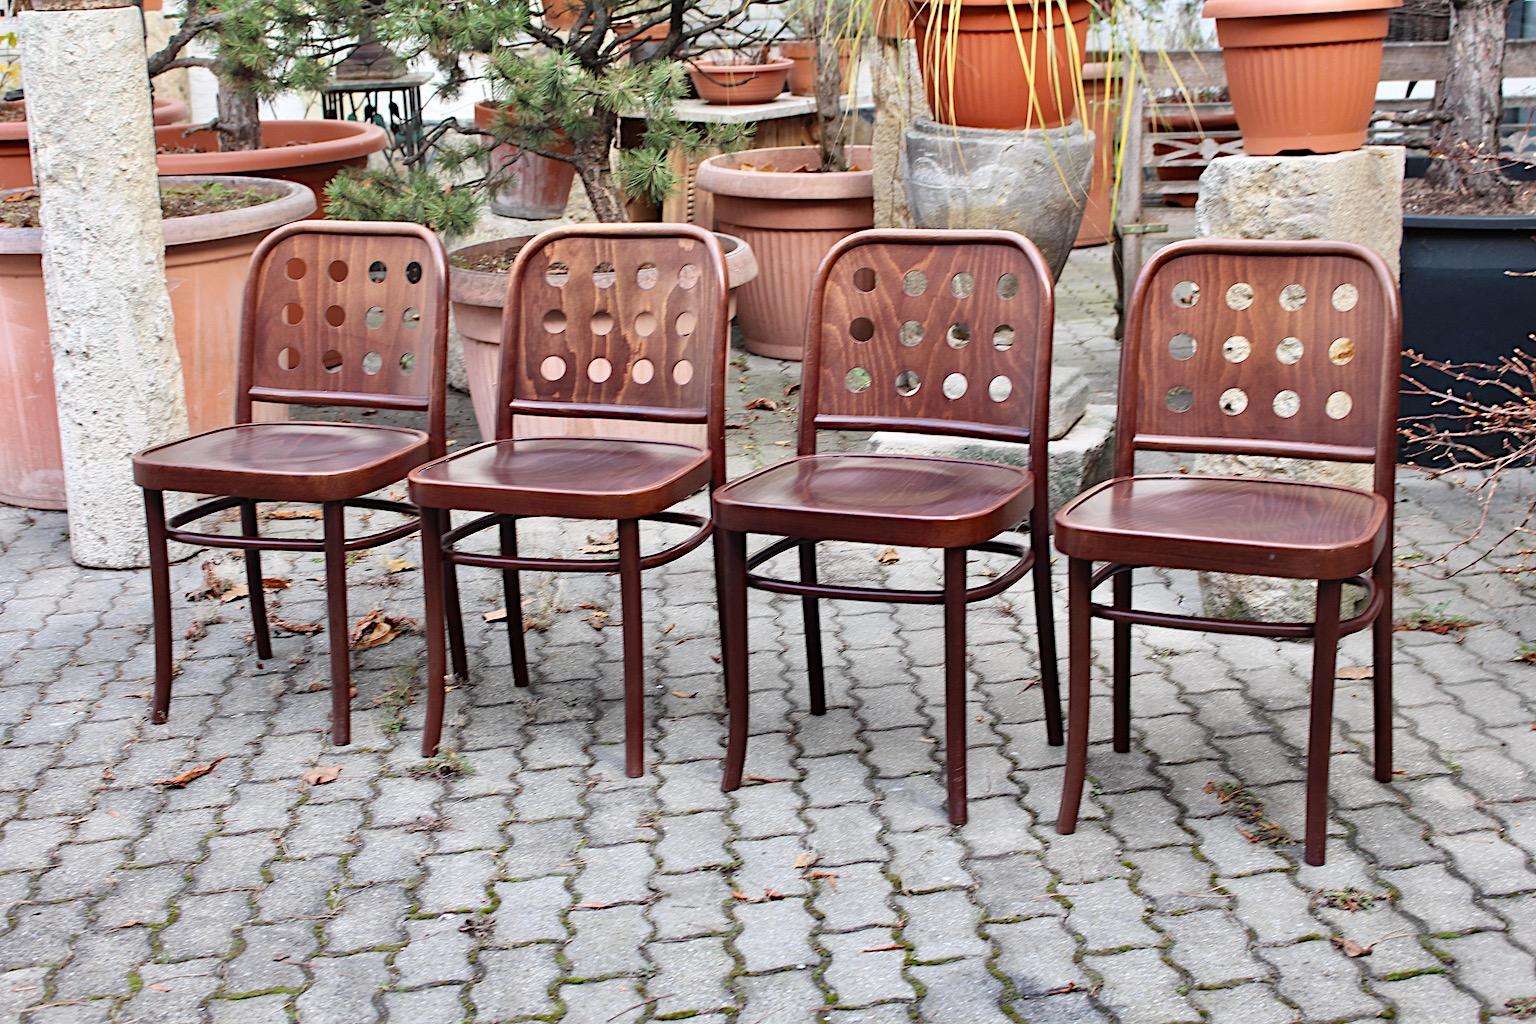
(322, 774)
(889, 556)
(190, 775)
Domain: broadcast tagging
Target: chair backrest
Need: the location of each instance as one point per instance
(347, 314)
(938, 332)
(1286, 349)
(618, 321)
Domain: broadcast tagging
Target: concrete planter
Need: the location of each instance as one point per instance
(16, 151)
(1033, 182)
(790, 218)
(478, 296)
(206, 259)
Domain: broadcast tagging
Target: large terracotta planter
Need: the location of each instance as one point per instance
(739, 84)
(1302, 73)
(969, 52)
(536, 187)
(206, 259)
(791, 220)
(308, 152)
(16, 151)
(478, 296)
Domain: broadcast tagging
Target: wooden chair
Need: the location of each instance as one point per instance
(618, 322)
(1286, 349)
(937, 332)
(336, 314)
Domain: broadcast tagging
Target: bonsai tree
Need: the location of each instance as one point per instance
(1469, 104)
(563, 94)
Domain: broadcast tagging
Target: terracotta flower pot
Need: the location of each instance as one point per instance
(478, 296)
(790, 218)
(893, 19)
(1101, 97)
(206, 259)
(16, 152)
(537, 187)
(739, 84)
(973, 72)
(561, 15)
(802, 76)
(308, 152)
(1302, 73)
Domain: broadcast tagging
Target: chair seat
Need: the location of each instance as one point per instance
(573, 477)
(285, 461)
(1226, 524)
(910, 500)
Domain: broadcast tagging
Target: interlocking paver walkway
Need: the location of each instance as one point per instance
(537, 882)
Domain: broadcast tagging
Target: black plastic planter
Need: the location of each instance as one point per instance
(1461, 302)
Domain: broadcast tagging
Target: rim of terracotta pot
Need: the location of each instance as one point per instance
(705, 67)
(489, 287)
(164, 112)
(1078, 9)
(291, 201)
(330, 142)
(720, 175)
(1281, 8)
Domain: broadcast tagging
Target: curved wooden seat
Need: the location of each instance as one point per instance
(1283, 528)
(879, 499)
(287, 461)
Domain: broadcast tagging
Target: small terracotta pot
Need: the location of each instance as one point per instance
(478, 297)
(791, 219)
(1213, 126)
(739, 84)
(537, 187)
(1302, 73)
(308, 152)
(16, 152)
(561, 15)
(802, 77)
(893, 19)
(969, 55)
(206, 260)
(1101, 96)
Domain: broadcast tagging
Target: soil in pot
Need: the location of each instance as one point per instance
(534, 187)
(737, 84)
(21, 209)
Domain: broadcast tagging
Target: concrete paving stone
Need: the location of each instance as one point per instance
(442, 1003)
(690, 977)
(774, 935)
(1108, 915)
(690, 905)
(1443, 902)
(1490, 965)
(786, 997)
(1324, 985)
(607, 941)
(1212, 947)
(941, 925)
(1038, 956)
(1253, 1004)
(437, 950)
(1139, 986)
(530, 911)
(864, 969)
(515, 982)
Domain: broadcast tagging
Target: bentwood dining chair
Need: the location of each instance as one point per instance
(622, 323)
(936, 332)
(338, 314)
(1276, 349)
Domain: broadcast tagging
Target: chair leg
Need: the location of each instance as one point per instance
(436, 626)
(335, 517)
(512, 598)
(1045, 629)
(1079, 661)
(717, 541)
(250, 526)
(1381, 661)
(733, 603)
(954, 682)
(1121, 593)
(160, 601)
(814, 667)
(455, 614)
(1325, 649)
(634, 648)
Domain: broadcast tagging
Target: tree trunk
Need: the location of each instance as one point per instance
(239, 124)
(593, 158)
(1464, 146)
(829, 94)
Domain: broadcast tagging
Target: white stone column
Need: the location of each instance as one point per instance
(115, 366)
(1342, 197)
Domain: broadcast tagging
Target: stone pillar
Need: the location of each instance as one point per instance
(1343, 197)
(116, 371)
(899, 103)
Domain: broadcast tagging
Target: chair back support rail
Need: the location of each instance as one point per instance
(347, 314)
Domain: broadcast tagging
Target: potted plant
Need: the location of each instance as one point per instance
(1302, 73)
(259, 49)
(737, 77)
(16, 151)
(212, 225)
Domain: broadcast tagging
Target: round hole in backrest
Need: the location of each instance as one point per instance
(908, 383)
(1344, 297)
(911, 333)
(864, 279)
(296, 269)
(603, 275)
(1233, 401)
(999, 389)
(862, 328)
(688, 275)
(293, 313)
(643, 372)
(288, 358)
(958, 336)
(1002, 337)
(646, 275)
(331, 361)
(1287, 403)
(1236, 348)
(338, 270)
(1341, 351)
(374, 318)
(411, 317)
(554, 321)
(335, 316)
(1179, 398)
(914, 282)
(682, 372)
(599, 370)
(1240, 296)
(602, 322)
(1185, 294)
(552, 368)
(413, 272)
(408, 363)
(1007, 286)
(645, 323)
(858, 380)
(556, 274)
(372, 363)
(1289, 351)
(1292, 297)
(1338, 405)
(377, 271)
(686, 323)
(1182, 346)
(954, 386)
(962, 285)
